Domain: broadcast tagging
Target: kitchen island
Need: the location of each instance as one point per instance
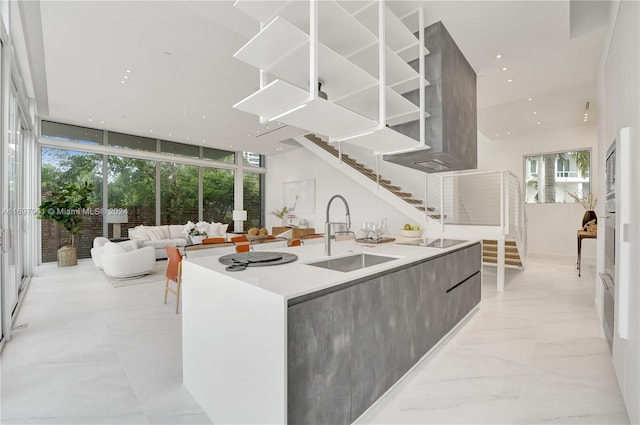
(296, 343)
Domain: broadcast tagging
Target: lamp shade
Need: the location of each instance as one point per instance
(121, 216)
(239, 215)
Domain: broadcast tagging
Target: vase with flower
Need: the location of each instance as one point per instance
(282, 214)
(589, 203)
(196, 232)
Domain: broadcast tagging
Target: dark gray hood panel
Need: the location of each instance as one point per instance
(450, 99)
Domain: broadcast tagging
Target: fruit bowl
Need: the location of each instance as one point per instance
(411, 233)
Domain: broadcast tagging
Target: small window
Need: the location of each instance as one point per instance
(71, 133)
(128, 141)
(252, 159)
(553, 177)
(219, 155)
(180, 149)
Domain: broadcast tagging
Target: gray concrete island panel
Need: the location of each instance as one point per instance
(348, 347)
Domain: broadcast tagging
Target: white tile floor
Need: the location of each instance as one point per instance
(96, 354)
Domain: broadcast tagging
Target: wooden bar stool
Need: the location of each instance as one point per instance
(173, 273)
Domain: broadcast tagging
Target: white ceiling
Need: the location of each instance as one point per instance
(184, 81)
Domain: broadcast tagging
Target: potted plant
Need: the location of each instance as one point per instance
(65, 206)
(589, 203)
(196, 232)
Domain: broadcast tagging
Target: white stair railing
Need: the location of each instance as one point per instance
(421, 185)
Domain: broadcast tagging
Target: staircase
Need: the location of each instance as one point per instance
(484, 205)
(407, 197)
(511, 255)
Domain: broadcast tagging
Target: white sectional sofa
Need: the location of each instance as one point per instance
(160, 236)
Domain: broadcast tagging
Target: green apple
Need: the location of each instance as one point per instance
(415, 228)
(407, 227)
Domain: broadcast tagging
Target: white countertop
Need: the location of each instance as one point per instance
(298, 278)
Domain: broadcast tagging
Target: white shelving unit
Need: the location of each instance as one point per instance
(347, 41)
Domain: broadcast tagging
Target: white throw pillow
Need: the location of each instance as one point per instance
(175, 231)
(213, 229)
(129, 246)
(154, 233)
(222, 229)
(111, 248)
(164, 231)
(139, 232)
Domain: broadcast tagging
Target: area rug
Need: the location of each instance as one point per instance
(156, 275)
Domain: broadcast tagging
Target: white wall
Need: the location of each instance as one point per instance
(301, 164)
(619, 90)
(552, 227)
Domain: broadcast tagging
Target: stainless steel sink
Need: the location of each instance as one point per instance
(352, 262)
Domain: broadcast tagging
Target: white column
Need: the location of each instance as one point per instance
(500, 266)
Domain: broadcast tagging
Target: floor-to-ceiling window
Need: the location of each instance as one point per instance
(131, 187)
(217, 195)
(58, 167)
(155, 181)
(179, 193)
(253, 189)
(17, 213)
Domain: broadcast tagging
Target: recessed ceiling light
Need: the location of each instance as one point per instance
(122, 81)
(504, 68)
(170, 134)
(184, 112)
(530, 99)
(498, 56)
(538, 123)
(204, 117)
(90, 119)
(101, 122)
(248, 135)
(508, 132)
(188, 138)
(204, 141)
(150, 131)
(125, 76)
(230, 146)
(128, 71)
(535, 113)
(267, 127)
(509, 80)
(497, 134)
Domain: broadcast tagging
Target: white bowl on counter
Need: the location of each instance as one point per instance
(411, 233)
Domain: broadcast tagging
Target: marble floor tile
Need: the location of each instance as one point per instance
(95, 354)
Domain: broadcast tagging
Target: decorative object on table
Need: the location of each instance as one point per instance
(303, 223)
(291, 217)
(64, 206)
(253, 231)
(301, 195)
(591, 226)
(282, 214)
(239, 217)
(410, 231)
(263, 232)
(196, 232)
(589, 203)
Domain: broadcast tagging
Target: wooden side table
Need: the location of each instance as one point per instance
(583, 235)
